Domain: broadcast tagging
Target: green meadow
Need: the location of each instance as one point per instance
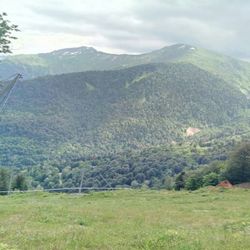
(127, 219)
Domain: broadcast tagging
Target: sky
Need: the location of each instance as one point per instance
(130, 26)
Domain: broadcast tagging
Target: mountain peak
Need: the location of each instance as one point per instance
(180, 46)
(74, 51)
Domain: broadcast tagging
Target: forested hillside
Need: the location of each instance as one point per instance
(111, 111)
(53, 121)
(56, 125)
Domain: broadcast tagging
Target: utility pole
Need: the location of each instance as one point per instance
(6, 92)
(80, 187)
(10, 182)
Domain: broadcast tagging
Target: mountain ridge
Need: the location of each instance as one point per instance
(85, 58)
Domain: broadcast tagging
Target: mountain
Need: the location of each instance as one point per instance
(154, 114)
(81, 59)
(100, 112)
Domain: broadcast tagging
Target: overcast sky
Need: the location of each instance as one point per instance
(130, 26)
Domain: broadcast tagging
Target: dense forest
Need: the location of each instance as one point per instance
(154, 167)
(98, 113)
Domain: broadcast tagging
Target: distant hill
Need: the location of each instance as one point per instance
(86, 58)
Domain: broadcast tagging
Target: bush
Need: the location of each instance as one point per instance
(135, 184)
(211, 179)
(168, 183)
(194, 181)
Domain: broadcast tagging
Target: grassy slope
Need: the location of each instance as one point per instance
(206, 219)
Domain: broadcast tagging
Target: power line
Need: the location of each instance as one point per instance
(65, 189)
(9, 90)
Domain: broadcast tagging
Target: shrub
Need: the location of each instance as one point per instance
(211, 179)
(194, 181)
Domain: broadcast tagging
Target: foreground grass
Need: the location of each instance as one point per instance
(206, 219)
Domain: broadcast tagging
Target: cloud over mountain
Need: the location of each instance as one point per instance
(135, 26)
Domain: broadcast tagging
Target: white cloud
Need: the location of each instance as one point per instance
(132, 25)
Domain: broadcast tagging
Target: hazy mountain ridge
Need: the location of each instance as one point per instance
(79, 59)
(87, 58)
(70, 60)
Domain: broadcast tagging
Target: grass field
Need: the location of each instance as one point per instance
(131, 219)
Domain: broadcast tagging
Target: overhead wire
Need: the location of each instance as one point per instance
(7, 91)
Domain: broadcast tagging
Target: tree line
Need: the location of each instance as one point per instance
(236, 170)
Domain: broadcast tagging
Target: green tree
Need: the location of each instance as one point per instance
(194, 181)
(211, 179)
(20, 182)
(4, 179)
(6, 30)
(238, 170)
(180, 181)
